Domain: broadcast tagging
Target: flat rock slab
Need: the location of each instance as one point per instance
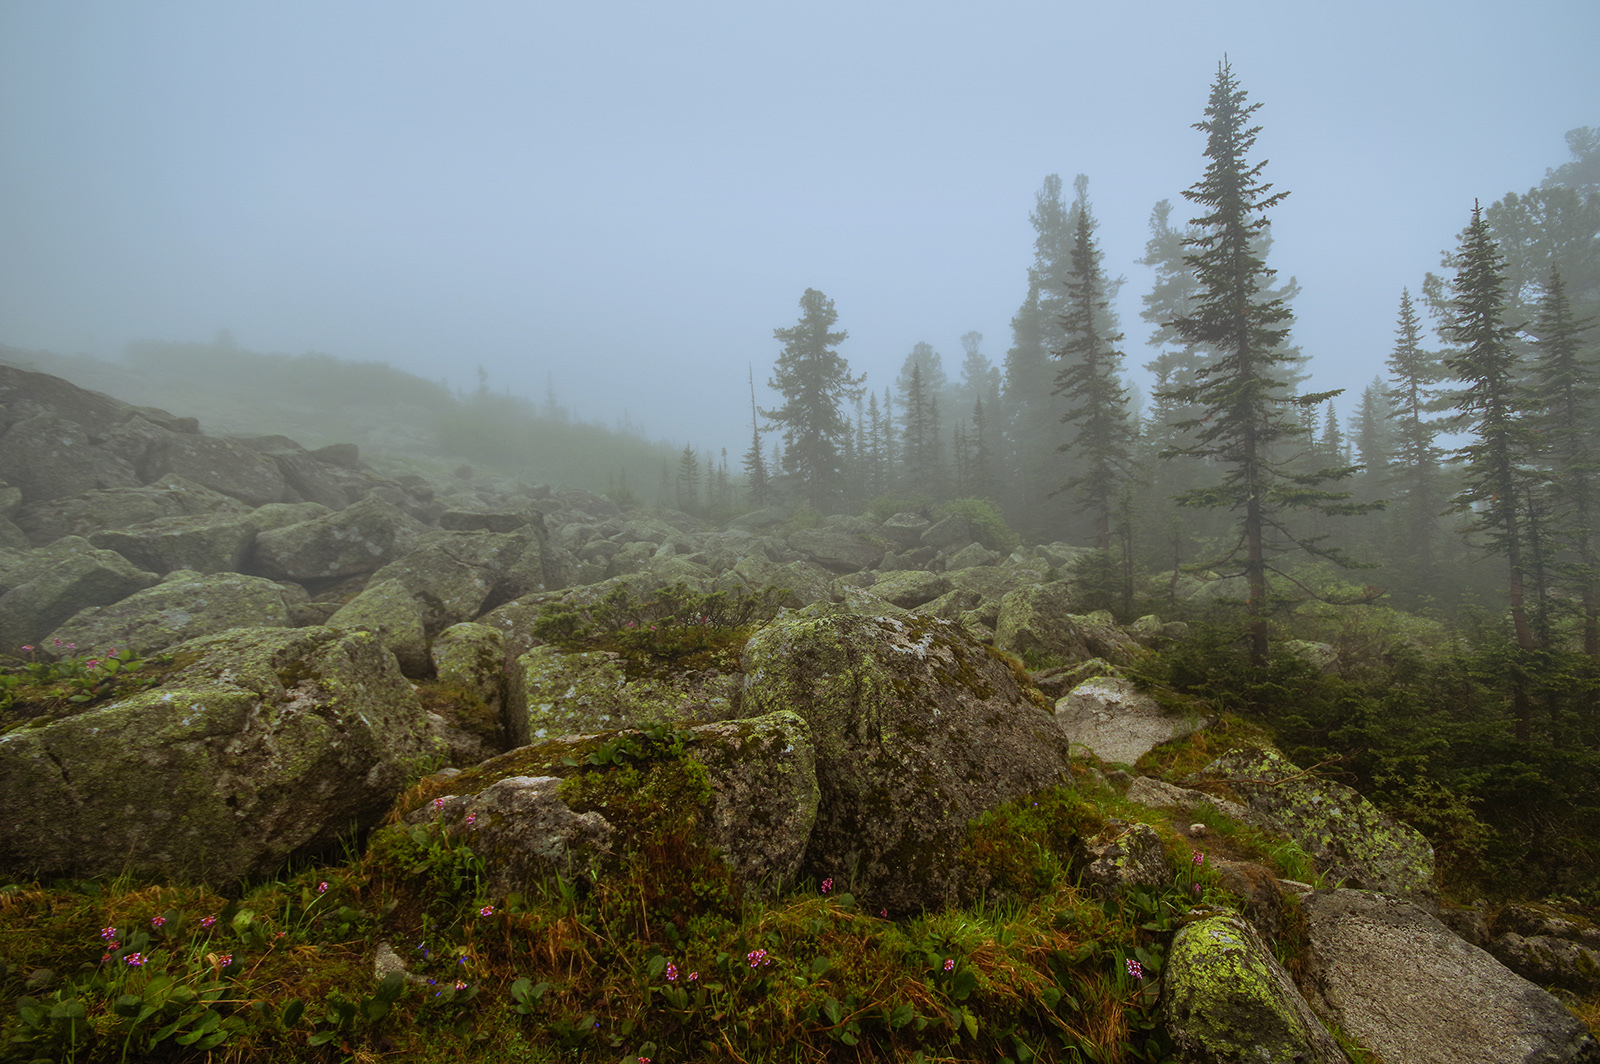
(1410, 990)
(1117, 721)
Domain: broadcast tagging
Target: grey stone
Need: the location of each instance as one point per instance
(1128, 855)
(50, 585)
(1405, 987)
(266, 742)
(917, 729)
(121, 508)
(185, 605)
(1117, 721)
(359, 539)
(389, 611)
(838, 552)
(221, 464)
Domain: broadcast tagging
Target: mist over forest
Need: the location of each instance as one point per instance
(1243, 363)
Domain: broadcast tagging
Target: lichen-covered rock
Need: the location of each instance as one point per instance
(909, 588)
(1350, 838)
(906, 529)
(952, 531)
(559, 692)
(48, 586)
(764, 785)
(49, 457)
(221, 464)
(387, 610)
(523, 831)
(205, 543)
(747, 789)
(263, 743)
(918, 729)
(471, 657)
(1321, 656)
(1117, 721)
(1159, 794)
(1549, 960)
(1405, 987)
(359, 539)
(1037, 619)
(453, 575)
(1227, 1000)
(90, 512)
(1128, 855)
(839, 552)
(185, 605)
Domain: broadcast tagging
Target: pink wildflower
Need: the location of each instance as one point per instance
(158, 921)
(135, 959)
(207, 921)
(487, 910)
(108, 933)
(225, 960)
(322, 888)
(672, 972)
(949, 964)
(693, 976)
(827, 885)
(757, 958)
(1135, 969)
(1199, 858)
(438, 803)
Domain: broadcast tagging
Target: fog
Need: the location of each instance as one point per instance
(628, 198)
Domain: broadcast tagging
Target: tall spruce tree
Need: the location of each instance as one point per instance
(1566, 394)
(1249, 412)
(1090, 378)
(814, 382)
(1495, 494)
(1415, 483)
(755, 466)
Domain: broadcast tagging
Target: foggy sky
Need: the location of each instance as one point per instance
(632, 196)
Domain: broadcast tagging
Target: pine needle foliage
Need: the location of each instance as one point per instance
(1250, 416)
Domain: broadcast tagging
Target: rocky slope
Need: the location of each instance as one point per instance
(318, 636)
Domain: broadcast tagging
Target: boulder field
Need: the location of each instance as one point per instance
(326, 645)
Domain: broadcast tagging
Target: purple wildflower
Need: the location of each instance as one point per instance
(949, 964)
(672, 972)
(158, 921)
(487, 910)
(1135, 969)
(108, 933)
(827, 885)
(135, 959)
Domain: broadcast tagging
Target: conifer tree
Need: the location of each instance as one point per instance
(814, 382)
(1414, 375)
(1495, 494)
(1090, 379)
(688, 479)
(755, 466)
(1248, 410)
(1566, 401)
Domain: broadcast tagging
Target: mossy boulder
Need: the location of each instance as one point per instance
(741, 792)
(835, 550)
(1227, 1000)
(1037, 620)
(93, 511)
(1124, 856)
(454, 576)
(918, 728)
(48, 586)
(389, 611)
(471, 658)
(559, 692)
(909, 588)
(219, 463)
(185, 605)
(204, 543)
(361, 538)
(1351, 840)
(261, 744)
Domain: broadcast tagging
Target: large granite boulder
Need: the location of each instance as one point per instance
(455, 575)
(918, 729)
(185, 605)
(261, 744)
(50, 457)
(1351, 840)
(91, 511)
(49, 585)
(471, 658)
(389, 611)
(1037, 619)
(1407, 988)
(359, 539)
(1227, 1000)
(1117, 721)
(552, 692)
(219, 463)
(206, 543)
(836, 551)
(745, 788)
(909, 588)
